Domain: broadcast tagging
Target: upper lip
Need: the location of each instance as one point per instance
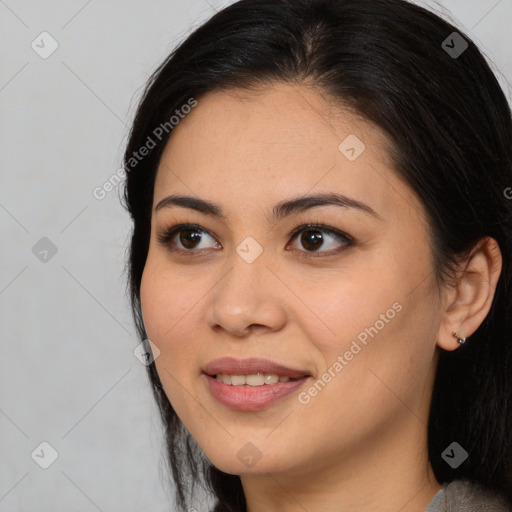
(232, 366)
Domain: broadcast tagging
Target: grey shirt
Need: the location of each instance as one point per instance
(464, 496)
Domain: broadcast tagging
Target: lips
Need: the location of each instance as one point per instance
(252, 396)
(232, 366)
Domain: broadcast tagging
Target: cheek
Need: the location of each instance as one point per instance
(378, 318)
(172, 305)
(373, 372)
(167, 309)
(352, 304)
(166, 300)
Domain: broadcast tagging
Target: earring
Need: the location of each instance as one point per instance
(460, 340)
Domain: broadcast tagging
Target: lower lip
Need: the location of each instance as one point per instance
(251, 398)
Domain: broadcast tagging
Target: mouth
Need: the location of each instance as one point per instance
(251, 384)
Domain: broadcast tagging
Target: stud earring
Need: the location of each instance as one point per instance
(459, 339)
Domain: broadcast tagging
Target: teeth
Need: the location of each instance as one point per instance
(257, 379)
(237, 380)
(254, 380)
(271, 379)
(226, 379)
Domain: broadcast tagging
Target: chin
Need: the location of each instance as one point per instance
(249, 460)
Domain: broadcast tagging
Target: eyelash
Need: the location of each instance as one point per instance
(166, 237)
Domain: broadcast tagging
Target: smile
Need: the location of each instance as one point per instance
(255, 379)
(246, 397)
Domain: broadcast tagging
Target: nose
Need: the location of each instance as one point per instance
(246, 300)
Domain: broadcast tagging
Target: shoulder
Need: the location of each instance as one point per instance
(466, 496)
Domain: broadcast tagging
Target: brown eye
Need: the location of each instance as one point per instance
(187, 238)
(320, 239)
(311, 240)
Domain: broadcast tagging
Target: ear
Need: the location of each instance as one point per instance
(468, 302)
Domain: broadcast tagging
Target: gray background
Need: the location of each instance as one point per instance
(68, 375)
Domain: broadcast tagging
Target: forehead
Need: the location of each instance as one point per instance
(278, 141)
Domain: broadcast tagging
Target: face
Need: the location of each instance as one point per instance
(248, 281)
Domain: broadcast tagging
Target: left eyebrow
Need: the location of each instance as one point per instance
(279, 211)
(303, 203)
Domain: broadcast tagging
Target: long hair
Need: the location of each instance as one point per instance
(401, 68)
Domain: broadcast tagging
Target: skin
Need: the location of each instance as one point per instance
(361, 443)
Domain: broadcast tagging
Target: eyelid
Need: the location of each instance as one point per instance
(320, 227)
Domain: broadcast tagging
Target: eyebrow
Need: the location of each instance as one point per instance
(279, 211)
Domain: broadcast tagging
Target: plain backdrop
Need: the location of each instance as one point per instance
(68, 374)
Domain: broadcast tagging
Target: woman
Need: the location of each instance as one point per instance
(321, 260)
